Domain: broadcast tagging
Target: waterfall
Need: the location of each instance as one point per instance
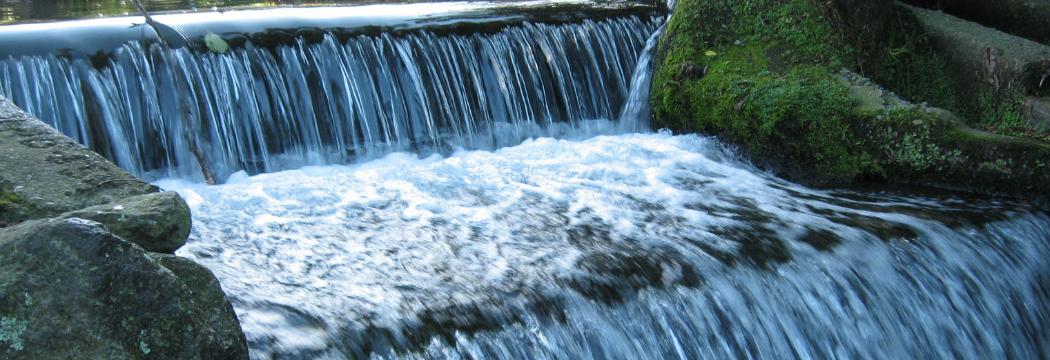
(635, 113)
(333, 101)
(451, 214)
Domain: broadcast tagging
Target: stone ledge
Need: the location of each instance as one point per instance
(987, 56)
(46, 173)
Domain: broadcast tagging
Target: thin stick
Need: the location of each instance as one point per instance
(209, 177)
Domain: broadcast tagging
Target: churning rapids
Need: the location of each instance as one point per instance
(618, 246)
(631, 246)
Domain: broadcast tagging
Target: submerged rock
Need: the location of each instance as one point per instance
(159, 222)
(69, 289)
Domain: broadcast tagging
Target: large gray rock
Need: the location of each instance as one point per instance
(1037, 112)
(46, 173)
(1028, 18)
(988, 57)
(159, 222)
(69, 289)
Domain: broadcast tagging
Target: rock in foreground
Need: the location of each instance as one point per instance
(69, 289)
(159, 222)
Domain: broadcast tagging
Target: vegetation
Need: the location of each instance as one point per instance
(770, 87)
(768, 76)
(8, 199)
(10, 211)
(912, 67)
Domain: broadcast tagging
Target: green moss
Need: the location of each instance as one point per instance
(766, 76)
(769, 89)
(999, 165)
(8, 199)
(912, 139)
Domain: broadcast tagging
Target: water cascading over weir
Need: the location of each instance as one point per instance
(428, 185)
(340, 86)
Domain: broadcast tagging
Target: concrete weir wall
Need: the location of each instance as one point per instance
(86, 264)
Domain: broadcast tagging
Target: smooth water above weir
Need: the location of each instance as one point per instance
(262, 109)
(645, 246)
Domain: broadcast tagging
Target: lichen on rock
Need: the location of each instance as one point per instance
(11, 330)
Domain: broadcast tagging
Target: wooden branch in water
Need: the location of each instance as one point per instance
(151, 23)
(205, 170)
(202, 161)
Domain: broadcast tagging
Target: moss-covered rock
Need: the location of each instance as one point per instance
(765, 75)
(218, 313)
(69, 287)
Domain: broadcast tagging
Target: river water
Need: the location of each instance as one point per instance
(498, 196)
(623, 246)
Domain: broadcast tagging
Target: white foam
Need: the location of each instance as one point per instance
(375, 243)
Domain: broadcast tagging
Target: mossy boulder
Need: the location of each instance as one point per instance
(69, 289)
(47, 174)
(207, 293)
(769, 84)
(766, 75)
(72, 288)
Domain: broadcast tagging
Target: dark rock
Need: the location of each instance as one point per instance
(690, 71)
(159, 222)
(206, 292)
(862, 21)
(1037, 112)
(69, 289)
(46, 173)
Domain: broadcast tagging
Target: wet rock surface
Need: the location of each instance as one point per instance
(72, 290)
(159, 222)
(46, 173)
